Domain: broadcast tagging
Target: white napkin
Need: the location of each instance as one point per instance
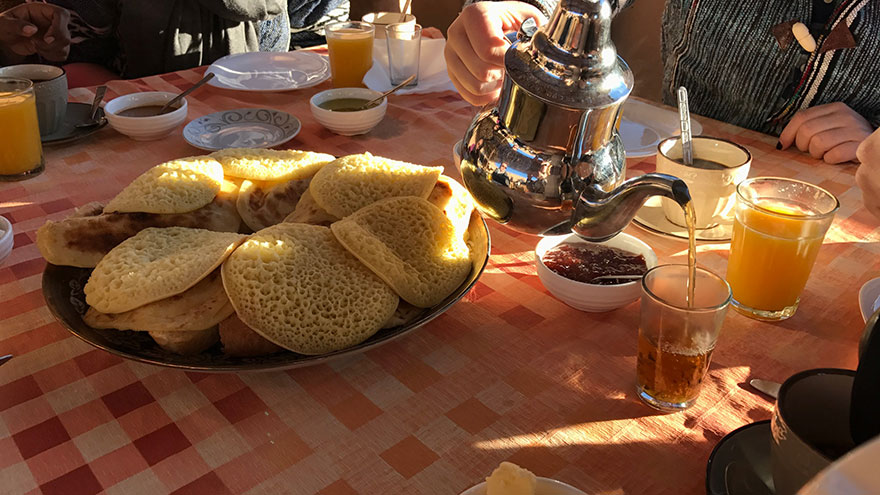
(432, 69)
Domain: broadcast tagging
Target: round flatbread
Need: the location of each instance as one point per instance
(295, 285)
(347, 184)
(262, 204)
(411, 245)
(270, 165)
(178, 186)
(155, 264)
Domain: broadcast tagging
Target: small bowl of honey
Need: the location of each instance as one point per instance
(137, 114)
(345, 110)
(590, 276)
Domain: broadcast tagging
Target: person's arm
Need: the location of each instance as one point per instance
(245, 10)
(868, 174)
(34, 28)
(831, 132)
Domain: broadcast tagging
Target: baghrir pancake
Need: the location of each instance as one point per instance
(351, 182)
(295, 285)
(178, 186)
(155, 264)
(411, 245)
(308, 211)
(262, 204)
(270, 165)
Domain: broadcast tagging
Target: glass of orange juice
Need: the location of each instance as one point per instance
(778, 229)
(351, 52)
(21, 152)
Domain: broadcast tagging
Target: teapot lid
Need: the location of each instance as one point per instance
(571, 60)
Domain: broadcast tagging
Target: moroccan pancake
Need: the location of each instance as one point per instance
(347, 184)
(156, 264)
(239, 340)
(86, 236)
(308, 211)
(411, 245)
(270, 165)
(186, 343)
(178, 186)
(295, 285)
(454, 201)
(262, 204)
(197, 308)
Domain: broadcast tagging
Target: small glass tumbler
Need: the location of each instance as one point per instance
(350, 45)
(778, 230)
(404, 48)
(21, 152)
(676, 340)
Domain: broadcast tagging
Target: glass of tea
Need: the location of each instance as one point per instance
(677, 336)
(21, 152)
(778, 229)
(351, 52)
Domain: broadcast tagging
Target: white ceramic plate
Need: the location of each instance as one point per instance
(869, 298)
(546, 486)
(652, 219)
(269, 71)
(643, 126)
(242, 128)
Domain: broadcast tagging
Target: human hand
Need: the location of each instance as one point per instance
(868, 174)
(831, 132)
(39, 28)
(432, 33)
(476, 46)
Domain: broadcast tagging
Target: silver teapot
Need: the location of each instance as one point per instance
(547, 159)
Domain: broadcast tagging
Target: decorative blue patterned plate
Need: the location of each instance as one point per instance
(242, 128)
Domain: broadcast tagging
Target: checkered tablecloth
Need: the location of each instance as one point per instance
(508, 373)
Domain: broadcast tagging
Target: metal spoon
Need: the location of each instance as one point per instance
(93, 112)
(177, 98)
(383, 95)
(684, 115)
(767, 387)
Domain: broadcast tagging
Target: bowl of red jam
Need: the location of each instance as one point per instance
(569, 268)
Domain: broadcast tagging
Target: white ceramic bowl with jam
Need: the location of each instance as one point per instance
(586, 296)
(545, 486)
(121, 114)
(343, 121)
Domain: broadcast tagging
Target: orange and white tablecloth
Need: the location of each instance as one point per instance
(509, 373)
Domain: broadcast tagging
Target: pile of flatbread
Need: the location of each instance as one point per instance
(270, 250)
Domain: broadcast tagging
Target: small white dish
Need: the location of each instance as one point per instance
(545, 486)
(592, 297)
(242, 128)
(6, 238)
(643, 126)
(869, 298)
(348, 123)
(651, 218)
(269, 71)
(145, 128)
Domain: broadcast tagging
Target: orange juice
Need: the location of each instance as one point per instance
(20, 148)
(351, 56)
(771, 254)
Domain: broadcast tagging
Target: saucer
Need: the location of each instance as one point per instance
(77, 113)
(869, 298)
(651, 218)
(749, 445)
(242, 128)
(269, 71)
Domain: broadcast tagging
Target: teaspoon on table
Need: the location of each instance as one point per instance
(383, 95)
(93, 111)
(177, 98)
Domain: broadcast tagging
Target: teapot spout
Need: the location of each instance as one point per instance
(600, 215)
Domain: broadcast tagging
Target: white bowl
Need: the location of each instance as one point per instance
(348, 123)
(592, 297)
(144, 128)
(6, 237)
(545, 486)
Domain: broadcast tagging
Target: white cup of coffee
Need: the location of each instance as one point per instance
(719, 165)
(382, 19)
(810, 426)
(50, 90)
